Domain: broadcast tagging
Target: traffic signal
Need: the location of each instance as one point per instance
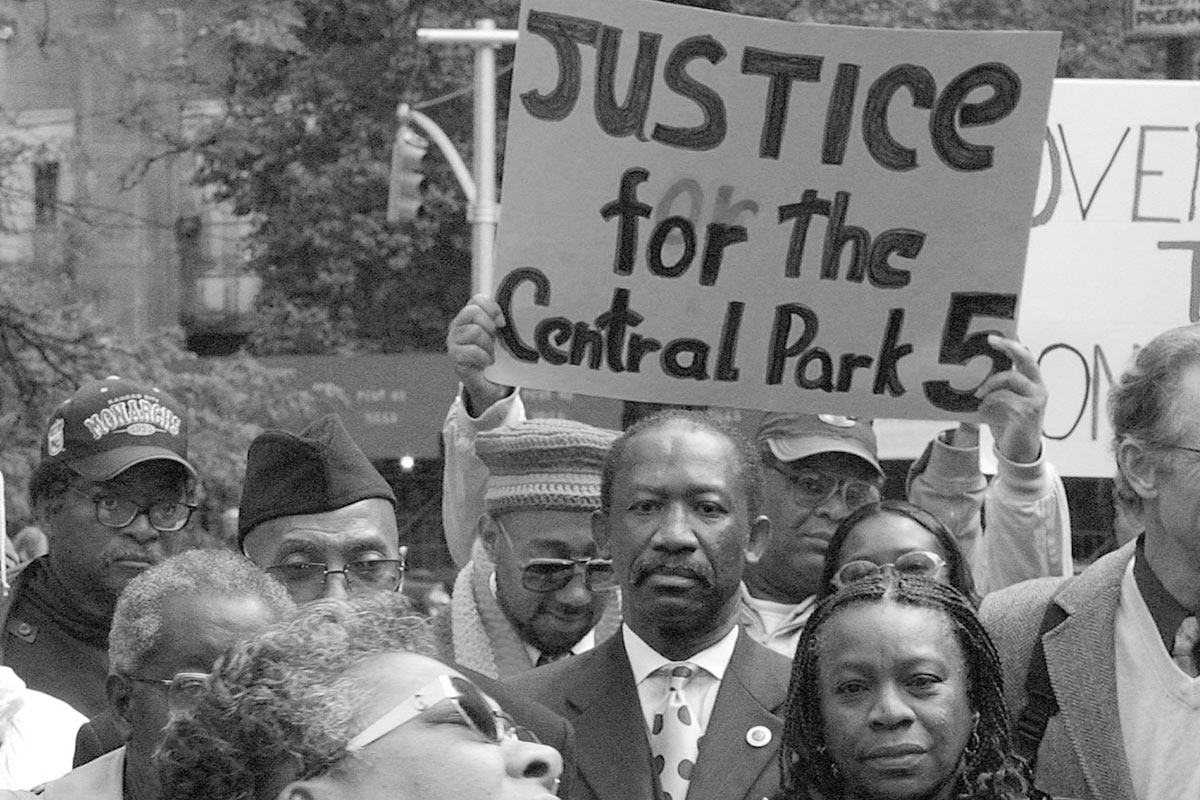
(408, 176)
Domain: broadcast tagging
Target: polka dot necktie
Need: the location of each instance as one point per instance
(675, 734)
(1187, 643)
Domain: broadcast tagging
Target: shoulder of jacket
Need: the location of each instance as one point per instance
(1026, 595)
(20, 629)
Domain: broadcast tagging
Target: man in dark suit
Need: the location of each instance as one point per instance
(679, 518)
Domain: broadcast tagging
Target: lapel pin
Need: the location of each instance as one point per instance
(758, 736)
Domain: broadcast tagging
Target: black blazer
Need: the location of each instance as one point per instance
(596, 693)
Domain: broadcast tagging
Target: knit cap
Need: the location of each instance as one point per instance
(544, 465)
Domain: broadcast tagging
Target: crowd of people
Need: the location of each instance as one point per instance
(675, 611)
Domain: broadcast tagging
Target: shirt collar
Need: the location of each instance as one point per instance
(802, 609)
(1165, 610)
(644, 660)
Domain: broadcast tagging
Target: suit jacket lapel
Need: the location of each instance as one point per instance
(729, 764)
(612, 754)
(1080, 655)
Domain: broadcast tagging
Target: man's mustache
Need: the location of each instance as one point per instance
(644, 569)
(133, 554)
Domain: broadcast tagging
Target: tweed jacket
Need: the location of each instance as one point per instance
(596, 693)
(1082, 754)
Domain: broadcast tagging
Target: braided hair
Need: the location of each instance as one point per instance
(957, 568)
(988, 769)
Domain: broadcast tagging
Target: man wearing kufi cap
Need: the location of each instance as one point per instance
(821, 467)
(317, 515)
(534, 590)
(111, 492)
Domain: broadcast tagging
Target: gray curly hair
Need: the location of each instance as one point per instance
(1142, 403)
(137, 622)
(280, 705)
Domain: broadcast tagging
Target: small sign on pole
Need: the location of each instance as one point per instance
(1160, 19)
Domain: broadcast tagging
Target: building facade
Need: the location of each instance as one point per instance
(90, 193)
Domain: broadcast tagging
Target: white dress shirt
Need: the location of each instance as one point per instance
(701, 689)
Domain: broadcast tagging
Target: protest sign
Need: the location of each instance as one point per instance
(718, 209)
(1114, 256)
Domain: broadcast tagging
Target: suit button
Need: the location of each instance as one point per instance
(758, 736)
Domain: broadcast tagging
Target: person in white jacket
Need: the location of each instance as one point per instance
(37, 734)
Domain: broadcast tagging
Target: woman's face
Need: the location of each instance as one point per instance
(883, 538)
(435, 756)
(893, 687)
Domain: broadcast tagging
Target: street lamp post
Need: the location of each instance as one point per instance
(483, 212)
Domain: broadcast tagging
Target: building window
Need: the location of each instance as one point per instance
(45, 193)
(187, 244)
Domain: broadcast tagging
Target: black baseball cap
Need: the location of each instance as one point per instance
(110, 425)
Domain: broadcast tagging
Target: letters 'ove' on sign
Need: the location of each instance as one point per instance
(761, 214)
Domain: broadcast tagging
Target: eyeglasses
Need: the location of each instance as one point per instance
(305, 580)
(917, 564)
(182, 690)
(471, 705)
(552, 574)
(813, 487)
(1182, 447)
(119, 512)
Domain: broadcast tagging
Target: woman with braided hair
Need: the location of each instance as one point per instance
(896, 694)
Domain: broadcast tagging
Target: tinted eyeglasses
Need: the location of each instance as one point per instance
(118, 512)
(812, 487)
(917, 564)
(471, 705)
(552, 574)
(182, 690)
(305, 580)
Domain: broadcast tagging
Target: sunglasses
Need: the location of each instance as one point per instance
(917, 564)
(471, 705)
(553, 574)
(544, 575)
